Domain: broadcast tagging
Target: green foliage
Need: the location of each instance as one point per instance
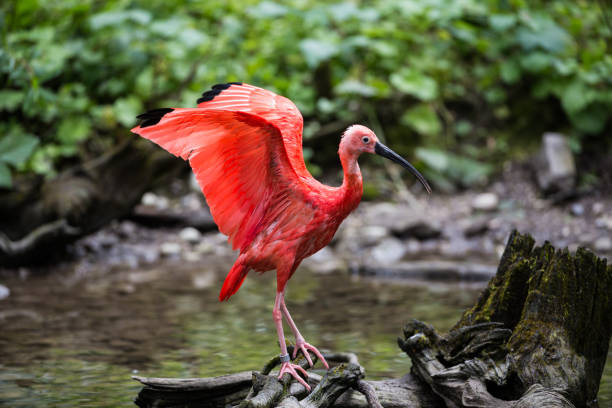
(15, 148)
(444, 75)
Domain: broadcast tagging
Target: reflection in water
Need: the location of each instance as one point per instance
(77, 344)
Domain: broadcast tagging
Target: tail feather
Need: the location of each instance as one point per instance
(233, 281)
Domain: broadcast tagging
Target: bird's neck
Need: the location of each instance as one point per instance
(352, 184)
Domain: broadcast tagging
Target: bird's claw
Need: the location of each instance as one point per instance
(304, 348)
(290, 368)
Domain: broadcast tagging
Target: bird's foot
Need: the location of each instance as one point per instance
(304, 348)
(288, 367)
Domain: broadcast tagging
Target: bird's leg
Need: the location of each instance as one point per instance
(300, 343)
(286, 365)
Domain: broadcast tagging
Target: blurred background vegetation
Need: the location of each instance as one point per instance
(471, 82)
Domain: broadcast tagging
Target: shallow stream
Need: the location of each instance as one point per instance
(73, 338)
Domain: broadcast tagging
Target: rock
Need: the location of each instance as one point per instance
(192, 201)
(191, 256)
(554, 165)
(413, 246)
(485, 202)
(4, 292)
(193, 183)
(170, 248)
(604, 222)
(371, 234)
(419, 229)
(603, 244)
(325, 261)
(475, 227)
(153, 200)
(204, 280)
(125, 288)
(597, 208)
(191, 235)
(566, 231)
(205, 248)
(577, 209)
(388, 251)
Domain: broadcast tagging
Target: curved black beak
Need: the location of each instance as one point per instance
(384, 151)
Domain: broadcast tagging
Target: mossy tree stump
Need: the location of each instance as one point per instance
(538, 336)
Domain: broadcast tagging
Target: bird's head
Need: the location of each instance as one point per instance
(359, 139)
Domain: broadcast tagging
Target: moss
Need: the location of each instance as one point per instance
(558, 306)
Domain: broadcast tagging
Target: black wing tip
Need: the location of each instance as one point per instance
(216, 90)
(153, 116)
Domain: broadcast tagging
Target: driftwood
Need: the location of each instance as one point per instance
(538, 336)
(40, 217)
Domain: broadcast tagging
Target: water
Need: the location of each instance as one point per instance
(74, 338)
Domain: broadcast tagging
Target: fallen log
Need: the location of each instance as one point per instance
(538, 336)
(40, 217)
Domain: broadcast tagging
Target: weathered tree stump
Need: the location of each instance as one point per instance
(538, 336)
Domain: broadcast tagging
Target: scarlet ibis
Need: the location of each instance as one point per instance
(244, 145)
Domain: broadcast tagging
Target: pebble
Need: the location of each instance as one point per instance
(153, 200)
(191, 235)
(372, 234)
(191, 256)
(421, 229)
(475, 227)
(325, 261)
(4, 292)
(604, 222)
(170, 248)
(603, 244)
(389, 251)
(204, 280)
(577, 209)
(597, 208)
(485, 202)
(126, 289)
(566, 231)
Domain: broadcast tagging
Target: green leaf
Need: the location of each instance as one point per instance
(316, 51)
(16, 147)
(115, 18)
(544, 33)
(6, 181)
(73, 130)
(126, 110)
(459, 169)
(536, 62)
(591, 120)
(502, 22)
(510, 71)
(576, 96)
(10, 100)
(434, 158)
(415, 83)
(355, 87)
(423, 119)
(268, 9)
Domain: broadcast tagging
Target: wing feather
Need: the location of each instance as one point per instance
(276, 109)
(239, 160)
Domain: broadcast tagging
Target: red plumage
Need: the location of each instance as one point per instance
(245, 148)
(244, 145)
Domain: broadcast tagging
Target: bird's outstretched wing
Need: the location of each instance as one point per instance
(276, 109)
(239, 160)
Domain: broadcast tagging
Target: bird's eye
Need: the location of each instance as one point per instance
(365, 139)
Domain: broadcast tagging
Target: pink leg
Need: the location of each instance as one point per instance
(300, 343)
(286, 365)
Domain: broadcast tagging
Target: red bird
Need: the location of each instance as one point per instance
(244, 145)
